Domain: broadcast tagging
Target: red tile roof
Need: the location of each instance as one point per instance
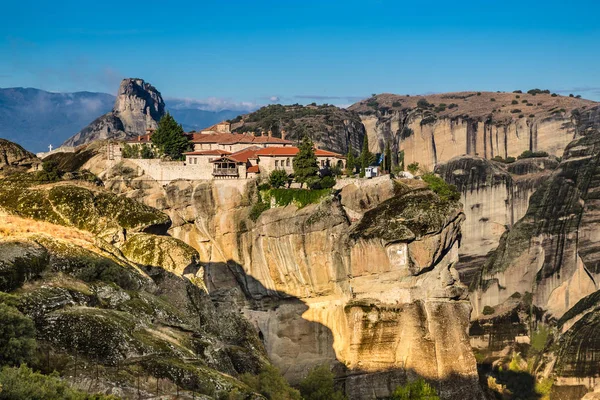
(140, 139)
(207, 153)
(241, 156)
(254, 169)
(233, 138)
(292, 151)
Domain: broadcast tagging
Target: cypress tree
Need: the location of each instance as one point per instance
(169, 138)
(387, 158)
(366, 157)
(350, 161)
(305, 162)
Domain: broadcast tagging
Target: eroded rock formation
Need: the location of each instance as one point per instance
(139, 106)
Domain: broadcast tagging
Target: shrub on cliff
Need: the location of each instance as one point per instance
(24, 384)
(413, 168)
(415, 390)
(271, 384)
(319, 385)
(532, 154)
(169, 138)
(278, 178)
(17, 336)
(446, 191)
(49, 173)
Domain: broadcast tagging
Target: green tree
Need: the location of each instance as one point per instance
(350, 162)
(271, 384)
(415, 390)
(146, 152)
(387, 158)
(366, 157)
(17, 336)
(50, 172)
(169, 138)
(319, 385)
(305, 164)
(413, 168)
(278, 178)
(130, 151)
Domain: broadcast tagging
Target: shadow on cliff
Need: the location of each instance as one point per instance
(295, 344)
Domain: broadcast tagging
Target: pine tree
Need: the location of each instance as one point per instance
(387, 158)
(366, 157)
(305, 162)
(350, 161)
(169, 138)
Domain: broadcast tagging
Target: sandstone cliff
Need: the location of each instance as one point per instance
(331, 128)
(138, 107)
(334, 282)
(548, 261)
(433, 129)
(495, 196)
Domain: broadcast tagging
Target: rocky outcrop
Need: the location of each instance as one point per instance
(334, 282)
(13, 155)
(139, 106)
(433, 129)
(330, 127)
(495, 196)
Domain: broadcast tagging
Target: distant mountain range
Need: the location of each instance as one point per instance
(35, 118)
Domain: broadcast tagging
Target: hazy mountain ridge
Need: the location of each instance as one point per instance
(36, 118)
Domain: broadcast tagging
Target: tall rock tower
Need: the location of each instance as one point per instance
(139, 106)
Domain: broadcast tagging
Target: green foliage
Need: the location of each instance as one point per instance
(327, 182)
(366, 157)
(554, 95)
(298, 197)
(443, 189)
(271, 384)
(387, 158)
(305, 162)
(17, 336)
(452, 105)
(515, 111)
(146, 152)
(350, 162)
(169, 138)
(278, 178)
(49, 173)
(532, 154)
(487, 310)
(539, 339)
(514, 102)
(415, 390)
(130, 151)
(413, 168)
(478, 93)
(428, 119)
(396, 104)
(258, 209)
(538, 91)
(401, 160)
(319, 385)
(24, 384)
(517, 91)
(492, 99)
(422, 103)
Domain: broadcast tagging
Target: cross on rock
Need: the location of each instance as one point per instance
(50, 147)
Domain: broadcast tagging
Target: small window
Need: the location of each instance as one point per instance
(287, 162)
(276, 163)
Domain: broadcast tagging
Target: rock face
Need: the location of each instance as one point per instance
(495, 196)
(139, 106)
(13, 155)
(380, 303)
(435, 128)
(550, 260)
(330, 127)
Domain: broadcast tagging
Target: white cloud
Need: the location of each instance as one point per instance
(211, 104)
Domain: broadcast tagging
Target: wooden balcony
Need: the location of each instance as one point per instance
(226, 172)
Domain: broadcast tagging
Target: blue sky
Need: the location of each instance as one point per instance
(300, 51)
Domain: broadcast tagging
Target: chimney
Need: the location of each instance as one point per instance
(283, 134)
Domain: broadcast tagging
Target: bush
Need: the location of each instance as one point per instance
(24, 384)
(478, 93)
(17, 336)
(413, 168)
(146, 152)
(258, 209)
(538, 91)
(515, 111)
(517, 91)
(514, 102)
(49, 173)
(554, 95)
(532, 154)
(422, 103)
(327, 182)
(396, 104)
(298, 197)
(487, 310)
(271, 384)
(492, 99)
(319, 385)
(507, 160)
(278, 178)
(452, 105)
(263, 186)
(446, 191)
(415, 390)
